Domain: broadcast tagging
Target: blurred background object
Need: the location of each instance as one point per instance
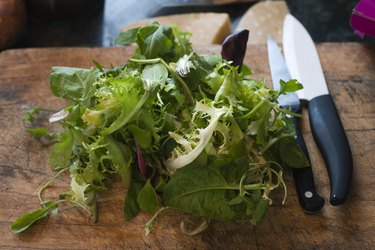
(62, 10)
(96, 23)
(12, 21)
(264, 19)
(54, 23)
(363, 18)
(326, 20)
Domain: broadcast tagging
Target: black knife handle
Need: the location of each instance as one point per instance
(308, 198)
(329, 135)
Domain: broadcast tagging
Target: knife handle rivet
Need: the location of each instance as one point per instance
(308, 194)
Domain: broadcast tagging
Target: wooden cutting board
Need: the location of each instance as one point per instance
(350, 72)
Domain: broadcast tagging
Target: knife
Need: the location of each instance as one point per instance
(303, 63)
(177, 6)
(308, 198)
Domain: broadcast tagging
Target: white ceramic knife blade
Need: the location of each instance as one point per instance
(304, 65)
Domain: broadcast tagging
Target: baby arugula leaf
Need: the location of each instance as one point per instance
(131, 206)
(121, 158)
(260, 210)
(142, 136)
(292, 154)
(157, 73)
(61, 152)
(73, 83)
(155, 40)
(182, 45)
(289, 86)
(38, 131)
(26, 220)
(147, 199)
(33, 122)
(127, 37)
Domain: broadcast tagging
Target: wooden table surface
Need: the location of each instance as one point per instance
(350, 72)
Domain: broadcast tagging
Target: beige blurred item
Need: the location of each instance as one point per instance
(206, 28)
(222, 2)
(13, 21)
(264, 19)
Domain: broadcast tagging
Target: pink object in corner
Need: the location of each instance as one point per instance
(363, 18)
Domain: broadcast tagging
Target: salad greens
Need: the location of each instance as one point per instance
(184, 131)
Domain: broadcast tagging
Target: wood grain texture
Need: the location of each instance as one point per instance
(350, 72)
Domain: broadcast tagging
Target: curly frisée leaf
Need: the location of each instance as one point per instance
(183, 65)
(82, 196)
(133, 103)
(188, 153)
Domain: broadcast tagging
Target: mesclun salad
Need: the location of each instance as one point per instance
(184, 131)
